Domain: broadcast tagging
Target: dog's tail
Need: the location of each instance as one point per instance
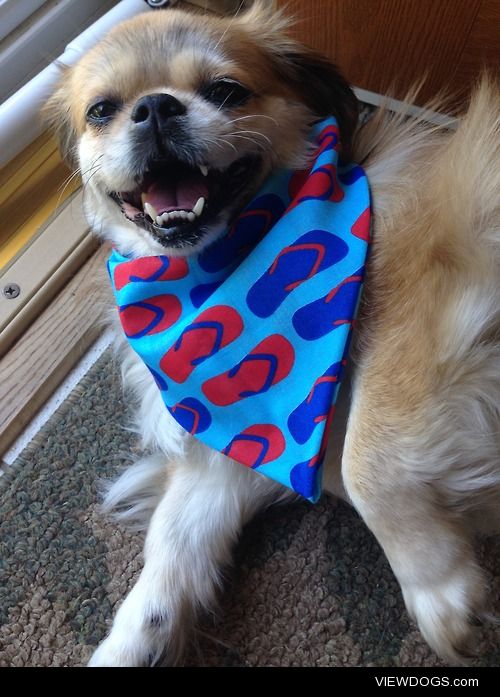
(467, 181)
(457, 171)
(472, 160)
(391, 145)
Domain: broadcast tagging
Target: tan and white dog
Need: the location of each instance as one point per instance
(176, 97)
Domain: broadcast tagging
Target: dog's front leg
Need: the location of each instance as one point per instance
(189, 539)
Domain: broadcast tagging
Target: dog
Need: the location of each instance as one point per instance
(415, 444)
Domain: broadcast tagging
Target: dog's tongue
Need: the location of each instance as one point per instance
(166, 196)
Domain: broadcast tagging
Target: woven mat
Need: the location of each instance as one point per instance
(310, 586)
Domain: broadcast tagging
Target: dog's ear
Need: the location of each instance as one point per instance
(322, 88)
(312, 76)
(56, 114)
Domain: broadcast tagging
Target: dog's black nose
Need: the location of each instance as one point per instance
(155, 109)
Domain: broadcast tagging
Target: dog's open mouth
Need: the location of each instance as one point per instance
(175, 201)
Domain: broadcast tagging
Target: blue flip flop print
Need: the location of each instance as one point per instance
(311, 253)
(304, 477)
(248, 229)
(315, 408)
(322, 316)
(192, 415)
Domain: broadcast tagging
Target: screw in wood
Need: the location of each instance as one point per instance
(11, 291)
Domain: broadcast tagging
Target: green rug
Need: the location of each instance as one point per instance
(310, 585)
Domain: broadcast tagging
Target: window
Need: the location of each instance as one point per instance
(35, 32)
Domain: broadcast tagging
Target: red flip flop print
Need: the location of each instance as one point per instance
(266, 365)
(361, 227)
(150, 316)
(150, 269)
(322, 184)
(210, 332)
(328, 139)
(256, 445)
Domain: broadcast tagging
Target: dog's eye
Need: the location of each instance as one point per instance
(226, 93)
(101, 112)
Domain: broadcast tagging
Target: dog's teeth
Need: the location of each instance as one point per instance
(150, 210)
(175, 217)
(198, 208)
(203, 170)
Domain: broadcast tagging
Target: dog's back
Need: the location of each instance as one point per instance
(421, 457)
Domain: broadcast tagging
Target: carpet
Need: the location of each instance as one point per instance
(310, 585)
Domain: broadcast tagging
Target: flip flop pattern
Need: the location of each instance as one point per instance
(210, 332)
(266, 365)
(150, 316)
(192, 415)
(247, 341)
(159, 268)
(322, 316)
(316, 406)
(257, 445)
(313, 252)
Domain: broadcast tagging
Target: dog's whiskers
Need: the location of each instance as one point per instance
(252, 116)
(66, 183)
(227, 142)
(250, 140)
(257, 133)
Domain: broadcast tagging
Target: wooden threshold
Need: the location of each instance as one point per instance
(44, 354)
(42, 269)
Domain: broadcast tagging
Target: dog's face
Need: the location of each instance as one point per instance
(175, 119)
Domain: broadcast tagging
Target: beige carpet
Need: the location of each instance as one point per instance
(310, 586)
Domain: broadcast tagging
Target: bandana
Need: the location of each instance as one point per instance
(247, 341)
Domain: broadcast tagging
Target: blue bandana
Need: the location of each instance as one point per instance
(247, 341)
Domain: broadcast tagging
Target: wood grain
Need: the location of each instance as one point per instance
(388, 45)
(482, 49)
(44, 267)
(44, 354)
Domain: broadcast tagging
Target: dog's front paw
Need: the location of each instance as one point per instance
(144, 633)
(134, 649)
(129, 649)
(117, 654)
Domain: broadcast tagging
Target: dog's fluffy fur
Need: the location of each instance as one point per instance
(421, 456)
